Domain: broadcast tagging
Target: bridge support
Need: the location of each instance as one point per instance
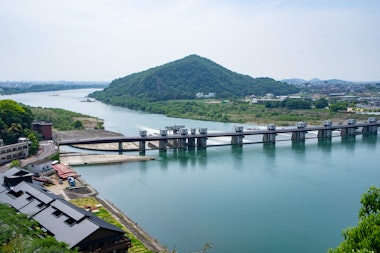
(238, 139)
(270, 137)
(299, 135)
(370, 129)
(202, 141)
(142, 142)
(120, 147)
(325, 133)
(182, 142)
(351, 130)
(162, 144)
(191, 140)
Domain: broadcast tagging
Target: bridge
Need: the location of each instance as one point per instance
(184, 139)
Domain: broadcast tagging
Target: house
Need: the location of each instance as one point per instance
(57, 217)
(41, 167)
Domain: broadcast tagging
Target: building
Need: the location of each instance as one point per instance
(209, 95)
(66, 222)
(45, 129)
(42, 167)
(15, 151)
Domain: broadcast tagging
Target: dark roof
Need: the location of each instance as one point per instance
(64, 220)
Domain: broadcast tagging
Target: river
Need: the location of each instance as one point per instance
(286, 197)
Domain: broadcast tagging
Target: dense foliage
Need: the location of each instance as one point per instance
(182, 79)
(18, 233)
(366, 236)
(15, 122)
(63, 120)
(46, 87)
(239, 111)
(292, 104)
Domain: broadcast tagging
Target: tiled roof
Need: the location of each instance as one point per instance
(64, 220)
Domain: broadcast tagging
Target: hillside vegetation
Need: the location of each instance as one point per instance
(182, 79)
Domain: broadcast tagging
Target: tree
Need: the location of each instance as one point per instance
(18, 233)
(297, 104)
(15, 163)
(77, 124)
(366, 236)
(34, 138)
(14, 119)
(321, 103)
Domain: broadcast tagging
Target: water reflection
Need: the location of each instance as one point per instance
(269, 149)
(325, 145)
(185, 158)
(237, 154)
(349, 142)
(299, 146)
(370, 139)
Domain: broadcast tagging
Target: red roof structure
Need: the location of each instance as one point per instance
(64, 171)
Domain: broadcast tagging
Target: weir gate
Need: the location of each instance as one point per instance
(183, 138)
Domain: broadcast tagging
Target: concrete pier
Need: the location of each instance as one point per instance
(142, 142)
(270, 137)
(182, 142)
(238, 139)
(370, 129)
(299, 135)
(163, 144)
(120, 148)
(325, 133)
(202, 141)
(191, 140)
(349, 131)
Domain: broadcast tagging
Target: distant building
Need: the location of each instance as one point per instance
(209, 95)
(15, 151)
(45, 129)
(59, 218)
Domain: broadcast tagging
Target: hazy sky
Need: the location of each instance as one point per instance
(103, 40)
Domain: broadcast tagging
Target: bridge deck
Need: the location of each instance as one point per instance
(152, 138)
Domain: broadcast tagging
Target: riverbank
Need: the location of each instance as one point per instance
(84, 190)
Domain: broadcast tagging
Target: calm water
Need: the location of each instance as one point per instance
(258, 198)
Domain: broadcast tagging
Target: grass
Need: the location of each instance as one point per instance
(243, 112)
(137, 246)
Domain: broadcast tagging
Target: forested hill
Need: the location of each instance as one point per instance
(182, 79)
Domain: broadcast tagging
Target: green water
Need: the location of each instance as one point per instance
(279, 198)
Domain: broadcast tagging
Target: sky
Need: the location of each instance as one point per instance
(101, 40)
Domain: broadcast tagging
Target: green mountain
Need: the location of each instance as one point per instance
(183, 78)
